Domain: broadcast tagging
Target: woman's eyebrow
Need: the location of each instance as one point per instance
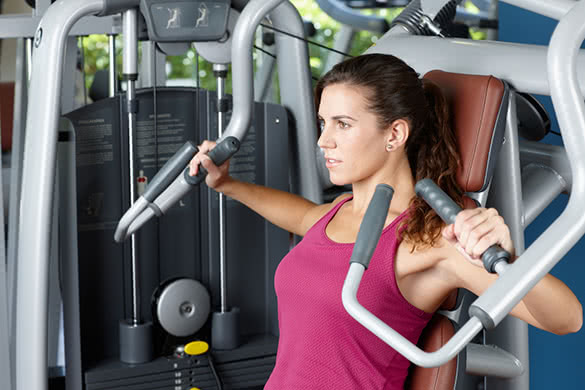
(337, 117)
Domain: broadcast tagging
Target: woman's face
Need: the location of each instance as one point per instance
(353, 144)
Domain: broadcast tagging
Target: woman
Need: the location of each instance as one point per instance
(379, 123)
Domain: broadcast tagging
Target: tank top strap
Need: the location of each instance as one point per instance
(324, 220)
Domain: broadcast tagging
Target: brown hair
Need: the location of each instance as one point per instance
(395, 91)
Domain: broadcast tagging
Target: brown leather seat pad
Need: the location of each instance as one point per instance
(475, 103)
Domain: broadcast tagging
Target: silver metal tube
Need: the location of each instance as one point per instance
(113, 77)
(555, 9)
(541, 185)
(222, 215)
(28, 53)
(506, 196)
(130, 31)
(242, 68)
(552, 156)
(296, 94)
(562, 235)
(487, 360)
(395, 339)
(38, 181)
(263, 76)
(528, 70)
(130, 67)
(342, 44)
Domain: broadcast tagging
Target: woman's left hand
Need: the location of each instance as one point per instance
(475, 230)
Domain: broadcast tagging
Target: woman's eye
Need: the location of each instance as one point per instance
(343, 125)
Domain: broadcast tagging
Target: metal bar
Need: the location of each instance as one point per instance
(296, 94)
(506, 196)
(541, 185)
(219, 69)
(342, 43)
(22, 26)
(394, 339)
(555, 9)
(242, 67)
(37, 190)
(553, 156)
(527, 72)
(130, 69)
(562, 235)
(113, 75)
(16, 160)
(487, 360)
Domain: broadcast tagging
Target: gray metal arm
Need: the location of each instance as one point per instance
(562, 235)
(368, 236)
(37, 189)
(345, 15)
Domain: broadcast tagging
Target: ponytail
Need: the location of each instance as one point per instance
(432, 153)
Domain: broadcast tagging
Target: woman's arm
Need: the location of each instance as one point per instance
(550, 305)
(287, 211)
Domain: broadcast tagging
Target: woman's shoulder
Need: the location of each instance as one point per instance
(319, 211)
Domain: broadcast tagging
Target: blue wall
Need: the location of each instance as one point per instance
(557, 362)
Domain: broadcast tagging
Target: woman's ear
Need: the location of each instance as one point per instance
(397, 134)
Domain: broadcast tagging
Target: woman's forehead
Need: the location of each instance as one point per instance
(346, 99)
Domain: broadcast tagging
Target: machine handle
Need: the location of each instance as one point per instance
(220, 154)
(372, 225)
(169, 171)
(447, 209)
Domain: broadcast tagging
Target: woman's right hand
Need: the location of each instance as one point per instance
(216, 176)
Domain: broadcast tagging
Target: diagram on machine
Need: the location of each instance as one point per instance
(203, 18)
(174, 18)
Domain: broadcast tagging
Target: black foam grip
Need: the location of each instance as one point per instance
(169, 171)
(220, 154)
(447, 209)
(372, 225)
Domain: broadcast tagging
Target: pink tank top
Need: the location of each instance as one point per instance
(321, 346)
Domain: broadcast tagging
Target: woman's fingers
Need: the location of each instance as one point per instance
(478, 229)
(204, 148)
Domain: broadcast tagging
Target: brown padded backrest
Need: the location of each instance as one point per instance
(6, 113)
(478, 109)
(478, 106)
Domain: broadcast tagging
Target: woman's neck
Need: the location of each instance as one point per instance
(400, 179)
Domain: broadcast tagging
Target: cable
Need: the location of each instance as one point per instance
(214, 372)
(306, 40)
(265, 51)
(556, 133)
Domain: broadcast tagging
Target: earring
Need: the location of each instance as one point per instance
(389, 147)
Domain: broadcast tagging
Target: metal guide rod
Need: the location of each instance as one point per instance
(130, 66)
(220, 70)
(113, 77)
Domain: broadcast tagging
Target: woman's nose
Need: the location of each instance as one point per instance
(325, 141)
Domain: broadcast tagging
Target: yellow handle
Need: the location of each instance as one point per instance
(196, 348)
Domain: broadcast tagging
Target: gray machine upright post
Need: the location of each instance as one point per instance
(296, 94)
(294, 80)
(506, 196)
(38, 188)
(342, 44)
